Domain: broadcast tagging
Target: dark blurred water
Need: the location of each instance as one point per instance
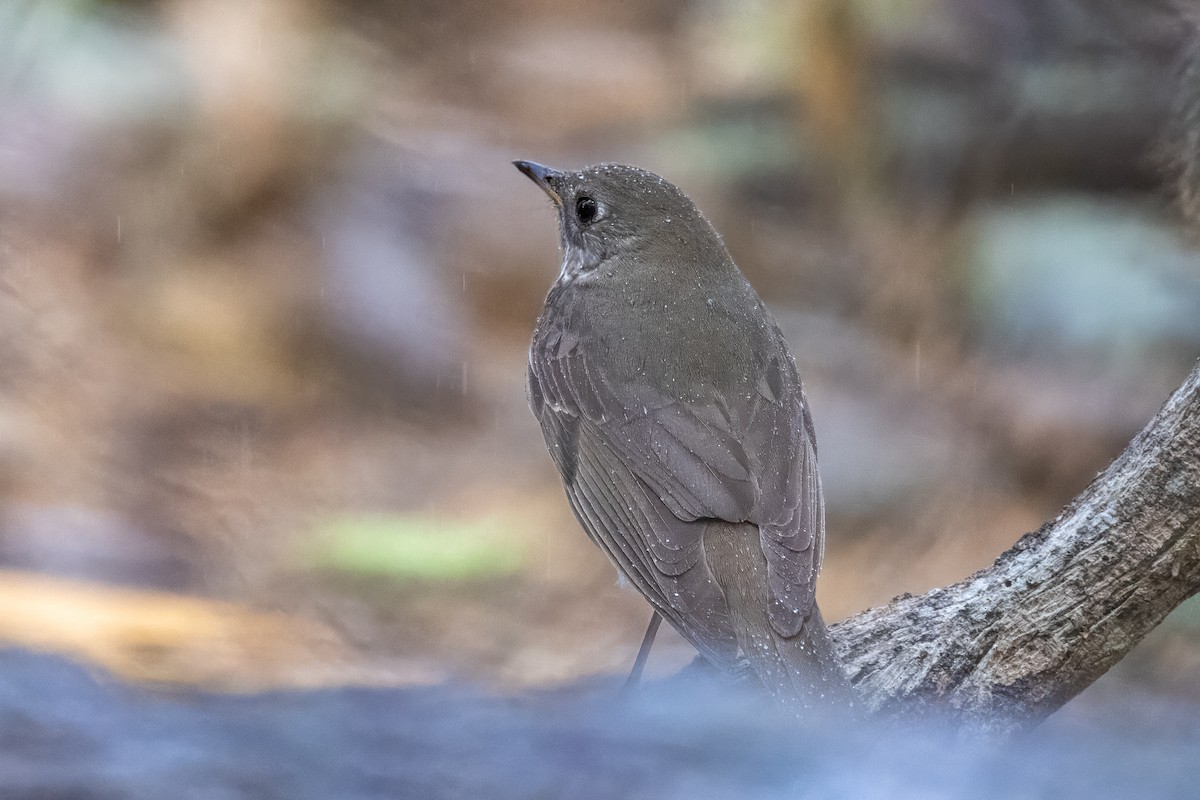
(66, 734)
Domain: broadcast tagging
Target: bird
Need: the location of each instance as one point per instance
(672, 406)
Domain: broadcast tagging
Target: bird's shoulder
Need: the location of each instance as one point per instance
(697, 345)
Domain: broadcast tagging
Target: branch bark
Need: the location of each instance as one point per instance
(1009, 645)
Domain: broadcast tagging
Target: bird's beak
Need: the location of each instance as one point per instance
(544, 177)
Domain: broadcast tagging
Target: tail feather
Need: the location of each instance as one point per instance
(803, 669)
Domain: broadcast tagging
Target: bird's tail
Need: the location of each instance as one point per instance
(803, 669)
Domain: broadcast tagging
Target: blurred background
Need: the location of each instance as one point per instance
(267, 280)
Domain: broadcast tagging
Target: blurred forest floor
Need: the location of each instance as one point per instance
(267, 280)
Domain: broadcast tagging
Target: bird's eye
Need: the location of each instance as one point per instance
(586, 209)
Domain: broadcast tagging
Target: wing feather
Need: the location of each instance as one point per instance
(645, 469)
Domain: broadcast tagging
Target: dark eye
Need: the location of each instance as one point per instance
(586, 209)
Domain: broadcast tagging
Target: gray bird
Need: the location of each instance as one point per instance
(673, 409)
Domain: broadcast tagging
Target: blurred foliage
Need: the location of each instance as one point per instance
(405, 547)
(1096, 280)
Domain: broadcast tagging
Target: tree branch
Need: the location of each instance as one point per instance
(1006, 647)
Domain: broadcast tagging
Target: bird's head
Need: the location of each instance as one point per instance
(610, 210)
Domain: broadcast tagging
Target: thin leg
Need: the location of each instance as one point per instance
(639, 663)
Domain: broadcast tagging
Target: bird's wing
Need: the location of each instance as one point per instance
(740, 456)
(790, 512)
(644, 470)
(658, 551)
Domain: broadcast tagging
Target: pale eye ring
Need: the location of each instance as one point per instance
(587, 209)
